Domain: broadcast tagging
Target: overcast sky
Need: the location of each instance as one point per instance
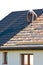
(7, 6)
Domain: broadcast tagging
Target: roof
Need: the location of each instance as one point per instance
(38, 11)
(11, 25)
(15, 30)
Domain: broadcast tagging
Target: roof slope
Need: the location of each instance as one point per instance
(11, 25)
(16, 30)
(32, 34)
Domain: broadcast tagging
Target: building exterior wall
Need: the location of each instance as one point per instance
(1, 58)
(14, 58)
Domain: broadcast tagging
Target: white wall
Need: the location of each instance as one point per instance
(1, 58)
(38, 58)
(14, 58)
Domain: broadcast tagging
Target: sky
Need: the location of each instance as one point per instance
(8, 6)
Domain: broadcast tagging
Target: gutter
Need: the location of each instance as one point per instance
(22, 47)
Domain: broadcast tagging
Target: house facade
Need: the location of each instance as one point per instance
(14, 57)
(21, 38)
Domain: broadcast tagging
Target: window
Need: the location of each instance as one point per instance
(26, 59)
(5, 57)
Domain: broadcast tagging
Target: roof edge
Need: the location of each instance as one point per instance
(23, 47)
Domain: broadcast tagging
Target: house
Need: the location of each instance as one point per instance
(21, 36)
